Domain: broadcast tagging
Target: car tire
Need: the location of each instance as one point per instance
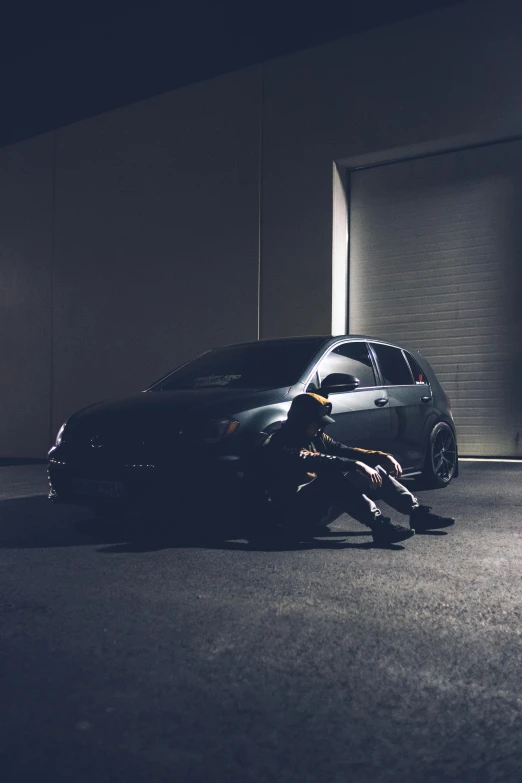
(441, 463)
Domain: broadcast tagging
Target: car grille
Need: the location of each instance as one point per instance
(102, 444)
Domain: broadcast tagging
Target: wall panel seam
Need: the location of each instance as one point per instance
(53, 249)
(260, 197)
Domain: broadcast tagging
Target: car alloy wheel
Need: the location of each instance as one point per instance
(441, 459)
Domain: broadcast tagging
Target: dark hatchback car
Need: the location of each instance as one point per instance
(203, 419)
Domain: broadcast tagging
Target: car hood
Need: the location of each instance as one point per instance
(178, 405)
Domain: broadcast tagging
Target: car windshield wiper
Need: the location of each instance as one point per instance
(215, 386)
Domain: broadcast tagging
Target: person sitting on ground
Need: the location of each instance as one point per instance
(306, 472)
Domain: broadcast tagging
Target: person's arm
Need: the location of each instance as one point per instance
(322, 463)
(292, 459)
(285, 458)
(367, 456)
(332, 446)
(317, 461)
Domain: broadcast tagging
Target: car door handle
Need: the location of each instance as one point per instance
(425, 399)
(380, 401)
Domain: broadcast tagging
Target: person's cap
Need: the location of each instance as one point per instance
(309, 407)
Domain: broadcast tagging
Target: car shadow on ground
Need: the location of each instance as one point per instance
(135, 535)
(34, 523)
(28, 523)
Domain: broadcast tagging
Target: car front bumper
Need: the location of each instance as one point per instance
(91, 481)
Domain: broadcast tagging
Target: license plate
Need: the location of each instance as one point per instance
(96, 488)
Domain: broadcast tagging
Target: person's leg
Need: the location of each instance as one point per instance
(311, 506)
(401, 499)
(322, 501)
(345, 490)
(353, 501)
(396, 494)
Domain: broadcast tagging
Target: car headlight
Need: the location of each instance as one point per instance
(59, 436)
(210, 431)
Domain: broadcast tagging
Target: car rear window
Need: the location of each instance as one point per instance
(419, 376)
(394, 367)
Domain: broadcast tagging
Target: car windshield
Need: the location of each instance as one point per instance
(250, 366)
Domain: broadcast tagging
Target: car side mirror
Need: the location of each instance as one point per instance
(339, 382)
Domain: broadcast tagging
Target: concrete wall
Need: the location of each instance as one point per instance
(156, 254)
(156, 212)
(26, 193)
(155, 259)
(434, 81)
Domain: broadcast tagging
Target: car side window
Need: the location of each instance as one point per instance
(419, 378)
(394, 367)
(352, 359)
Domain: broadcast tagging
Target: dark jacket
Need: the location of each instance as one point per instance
(289, 460)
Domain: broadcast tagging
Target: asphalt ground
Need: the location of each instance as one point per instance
(134, 656)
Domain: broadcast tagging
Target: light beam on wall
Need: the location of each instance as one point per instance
(339, 253)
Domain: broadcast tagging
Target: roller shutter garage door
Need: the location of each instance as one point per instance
(435, 263)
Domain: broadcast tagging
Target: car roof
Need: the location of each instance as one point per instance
(326, 339)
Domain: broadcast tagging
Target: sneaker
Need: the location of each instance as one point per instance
(422, 519)
(385, 532)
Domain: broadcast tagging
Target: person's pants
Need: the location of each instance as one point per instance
(328, 496)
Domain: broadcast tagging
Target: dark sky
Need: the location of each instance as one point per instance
(63, 61)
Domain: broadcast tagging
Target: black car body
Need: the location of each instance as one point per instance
(205, 417)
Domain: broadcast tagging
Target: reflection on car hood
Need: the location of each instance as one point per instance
(179, 404)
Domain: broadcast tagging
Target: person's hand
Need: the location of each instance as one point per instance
(372, 476)
(390, 465)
